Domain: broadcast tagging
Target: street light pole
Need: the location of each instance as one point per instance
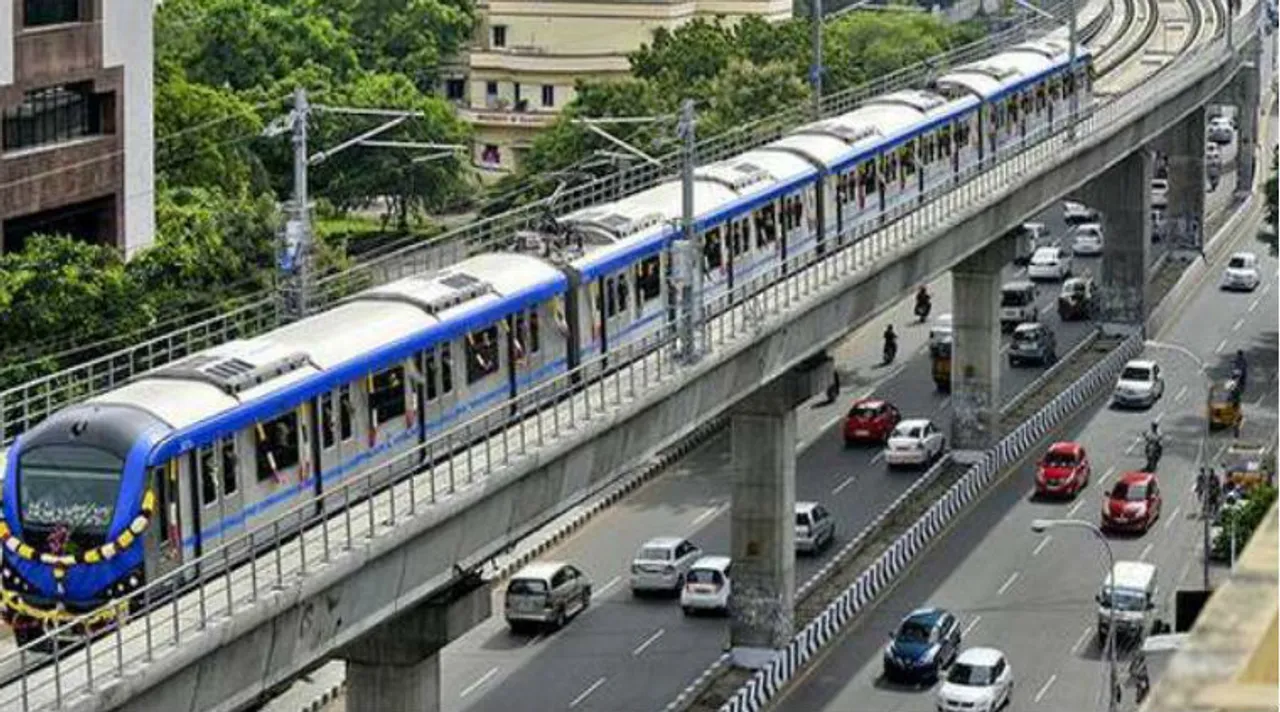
(1040, 526)
(815, 73)
(691, 284)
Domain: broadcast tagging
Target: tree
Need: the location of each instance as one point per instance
(745, 92)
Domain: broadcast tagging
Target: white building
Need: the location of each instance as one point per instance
(78, 147)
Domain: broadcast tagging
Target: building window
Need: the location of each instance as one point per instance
(53, 115)
(499, 35)
(548, 95)
(37, 13)
(490, 156)
(454, 89)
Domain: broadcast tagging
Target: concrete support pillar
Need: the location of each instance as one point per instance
(975, 355)
(1184, 146)
(396, 667)
(1247, 121)
(1123, 195)
(763, 444)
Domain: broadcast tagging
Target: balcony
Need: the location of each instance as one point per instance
(52, 52)
(539, 60)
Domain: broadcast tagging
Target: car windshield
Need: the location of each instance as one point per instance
(971, 675)
(1237, 263)
(1124, 600)
(906, 432)
(1135, 373)
(1129, 492)
(69, 485)
(1015, 298)
(703, 576)
(1026, 335)
(802, 520)
(527, 587)
(654, 553)
(913, 632)
(1073, 288)
(864, 411)
(1059, 459)
(1044, 258)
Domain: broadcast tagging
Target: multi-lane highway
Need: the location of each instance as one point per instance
(1032, 595)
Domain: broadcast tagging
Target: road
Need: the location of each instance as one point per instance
(1031, 595)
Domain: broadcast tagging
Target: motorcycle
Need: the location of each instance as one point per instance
(1153, 451)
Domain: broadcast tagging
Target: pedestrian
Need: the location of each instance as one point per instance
(833, 390)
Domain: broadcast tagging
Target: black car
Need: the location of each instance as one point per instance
(926, 641)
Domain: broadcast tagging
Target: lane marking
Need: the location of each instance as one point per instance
(594, 686)
(1146, 551)
(1072, 512)
(1173, 518)
(1080, 641)
(533, 641)
(1160, 416)
(878, 457)
(946, 403)
(1129, 450)
(1107, 474)
(648, 641)
(610, 584)
(1221, 345)
(972, 624)
(1044, 541)
(1254, 305)
(1045, 688)
(1181, 392)
(1239, 323)
(709, 513)
(1012, 577)
(845, 483)
(483, 679)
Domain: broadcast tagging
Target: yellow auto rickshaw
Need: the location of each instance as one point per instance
(941, 357)
(1224, 404)
(1245, 465)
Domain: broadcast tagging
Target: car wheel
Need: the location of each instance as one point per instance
(560, 619)
(686, 610)
(586, 599)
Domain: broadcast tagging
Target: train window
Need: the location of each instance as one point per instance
(766, 220)
(345, 431)
(739, 241)
(326, 420)
(620, 286)
(230, 468)
(429, 373)
(386, 395)
(535, 338)
(712, 255)
(867, 175)
(482, 353)
(604, 298)
(907, 158)
(446, 368)
(520, 337)
(208, 476)
(158, 476)
(648, 279)
(277, 445)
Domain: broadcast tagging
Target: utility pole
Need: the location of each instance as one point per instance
(815, 73)
(690, 314)
(1075, 81)
(295, 258)
(1206, 516)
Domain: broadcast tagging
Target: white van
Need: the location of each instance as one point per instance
(1131, 587)
(1018, 304)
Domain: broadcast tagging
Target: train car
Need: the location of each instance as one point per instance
(107, 495)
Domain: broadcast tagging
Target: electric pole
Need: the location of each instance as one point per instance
(815, 73)
(294, 262)
(689, 316)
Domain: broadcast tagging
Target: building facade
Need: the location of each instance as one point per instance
(521, 69)
(76, 94)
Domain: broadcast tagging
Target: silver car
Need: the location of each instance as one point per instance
(815, 527)
(546, 593)
(661, 564)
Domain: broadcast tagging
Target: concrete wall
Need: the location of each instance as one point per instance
(127, 42)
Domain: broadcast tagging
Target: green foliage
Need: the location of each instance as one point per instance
(204, 132)
(1244, 520)
(738, 73)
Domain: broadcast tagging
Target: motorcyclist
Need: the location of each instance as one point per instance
(923, 303)
(1154, 447)
(890, 344)
(1240, 367)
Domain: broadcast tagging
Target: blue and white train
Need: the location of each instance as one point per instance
(113, 492)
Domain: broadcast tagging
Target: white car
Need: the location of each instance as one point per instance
(661, 564)
(940, 334)
(1140, 384)
(1086, 240)
(707, 585)
(1052, 263)
(1159, 193)
(1074, 213)
(915, 441)
(815, 527)
(1242, 272)
(980, 680)
(1220, 130)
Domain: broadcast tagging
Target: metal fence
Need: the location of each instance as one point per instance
(765, 683)
(384, 500)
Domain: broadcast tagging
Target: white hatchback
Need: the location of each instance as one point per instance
(1087, 240)
(1140, 384)
(1075, 212)
(916, 441)
(1049, 263)
(707, 585)
(980, 680)
(661, 564)
(1242, 272)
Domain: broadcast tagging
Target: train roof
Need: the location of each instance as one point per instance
(825, 149)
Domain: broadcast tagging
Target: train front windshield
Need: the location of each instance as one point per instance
(68, 485)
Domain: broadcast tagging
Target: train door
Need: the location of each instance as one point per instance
(163, 541)
(741, 259)
(226, 463)
(278, 457)
(440, 401)
(208, 496)
(650, 296)
(714, 268)
(530, 350)
(338, 442)
(617, 312)
(391, 423)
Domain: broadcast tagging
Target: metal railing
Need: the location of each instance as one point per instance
(25, 405)
(380, 501)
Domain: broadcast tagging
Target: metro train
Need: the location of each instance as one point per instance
(108, 494)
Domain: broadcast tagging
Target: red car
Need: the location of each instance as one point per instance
(870, 420)
(1063, 471)
(1133, 504)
